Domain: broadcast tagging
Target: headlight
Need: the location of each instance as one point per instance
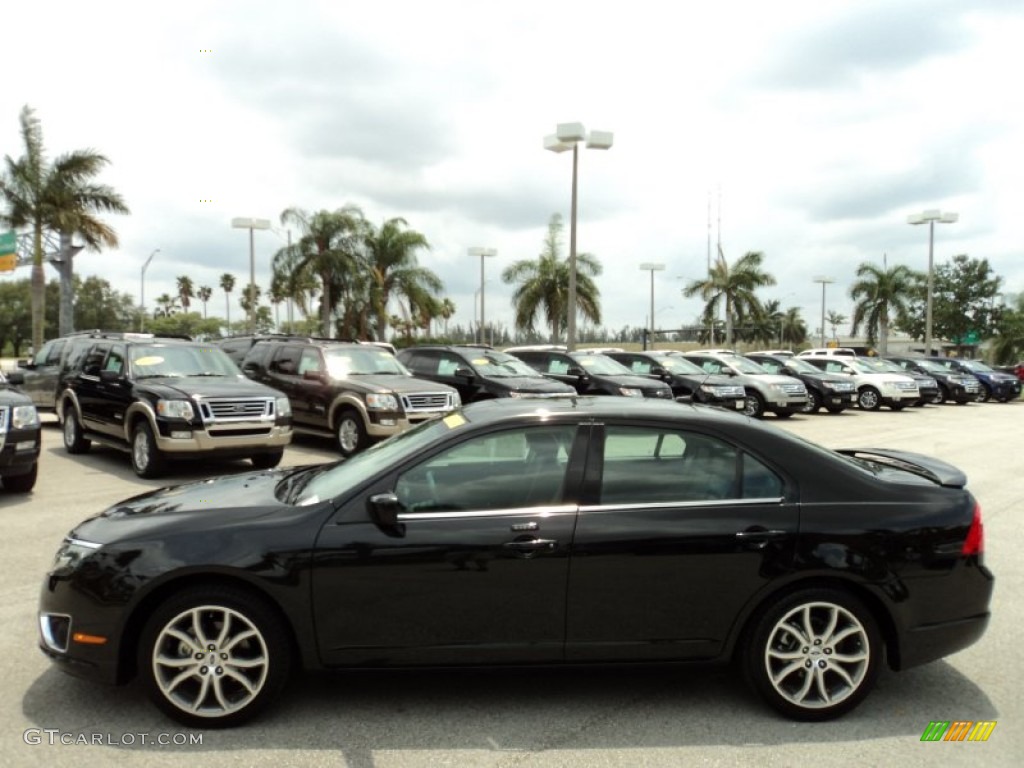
(517, 394)
(777, 389)
(71, 554)
(456, 400)
(175, 409)
(24, 417)
(382, 402)
(283, 406)
(630, 392)
(708, 389)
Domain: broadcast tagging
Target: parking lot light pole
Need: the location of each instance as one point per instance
(568, 136)
(824, 281)
(930, 217)
(142, 292)
(652, 268)
(251, 224)
(483, 253)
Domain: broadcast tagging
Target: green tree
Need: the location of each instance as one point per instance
(881, 298)
(734, 287)
(167, 305)
(186, 324)
(963, 301)
(250, 299)
(227, 284)
(391, 260)
(204, 294)
(98, 305)
(1008, 342)
(794, 327)
(329, 248)
(15, 315)
(542, 286)
(186, 292)
(59, 197)
(835, 319)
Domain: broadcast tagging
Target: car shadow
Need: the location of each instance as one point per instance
(535, 710)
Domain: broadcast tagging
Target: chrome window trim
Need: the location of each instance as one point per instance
(682, 504)
(544, 511)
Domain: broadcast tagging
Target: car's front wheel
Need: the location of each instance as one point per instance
(74, 442)
(940, 396)
(984, 394)
(814, 655)
(22, 483)
(813, 402)
(214, 657)
(869, 399)
(754, 405)
(147, 460)
(350, 432)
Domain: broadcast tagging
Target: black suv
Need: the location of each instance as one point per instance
(161, 397)
(994, 385)
(834, 393)
(589, 373)
(355, 392)
(953, 385)
(19, 437)
(479, 373)
(689, 382)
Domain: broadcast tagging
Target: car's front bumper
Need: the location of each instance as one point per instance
(19, 451)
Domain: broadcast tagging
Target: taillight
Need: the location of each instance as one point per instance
(974, 544)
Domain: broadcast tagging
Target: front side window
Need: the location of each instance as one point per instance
(515, 468)
(655, 465)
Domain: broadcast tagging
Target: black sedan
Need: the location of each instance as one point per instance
(516, 531)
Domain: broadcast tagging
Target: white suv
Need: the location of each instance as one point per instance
(874, 388)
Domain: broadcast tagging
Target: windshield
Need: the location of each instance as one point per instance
(743, 365)
(801, 366)
(150, 360)
(498, 365)
(977, 365)
(931, 365)
(320, 483)
(678, 365)
(882, 365)
(601, 365)
(343, 362)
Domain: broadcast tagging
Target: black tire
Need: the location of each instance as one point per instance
(267, 460)
(21, 483)
(984, 394)
(753, 406)
(869, 399)
(941, 396)
(147, 460)
(349, 432)
(234, 635)
(74, 442)
(897, 406)
(783, 414)
(813, 402)
(789, 660)
(835, 408)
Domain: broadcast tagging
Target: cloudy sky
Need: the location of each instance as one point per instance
(811, 128)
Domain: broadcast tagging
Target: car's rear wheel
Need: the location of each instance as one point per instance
(869, 399)
(147, 460)
(814, 655)
(214, 656)
(350, 433)
(74, 442)
(813, 402)
(21, 483)
(753, 406)
(267, 460)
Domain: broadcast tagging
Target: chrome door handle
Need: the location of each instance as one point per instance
(531, 545)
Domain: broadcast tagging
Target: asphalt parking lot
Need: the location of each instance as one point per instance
(618, 717)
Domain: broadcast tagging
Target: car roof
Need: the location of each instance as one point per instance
(599, 406)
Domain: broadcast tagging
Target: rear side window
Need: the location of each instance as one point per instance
(94, 359)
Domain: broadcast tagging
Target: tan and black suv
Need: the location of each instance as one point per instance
(355, 392)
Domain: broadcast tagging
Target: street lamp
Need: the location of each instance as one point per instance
(251, 224)
(568, 136)
(652, 268)
(930, 217)
(483, 253)
(824, 281)
(142, 291)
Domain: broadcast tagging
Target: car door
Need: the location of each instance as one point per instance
(310, 390)
(474, 571)
(89, 389)
(680, 531)
(283, 375)
(114, 392)
(41, 378)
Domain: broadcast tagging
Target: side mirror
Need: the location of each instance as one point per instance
(26, 364)
(575, 370)
(657, 370)
(16, 378)
(313, 376)
(464, 373)
(110, 376)
(384, 509)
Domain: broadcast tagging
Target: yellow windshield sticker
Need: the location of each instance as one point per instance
(454, 420)
(151, 360)
(481, 361)
(587, 363)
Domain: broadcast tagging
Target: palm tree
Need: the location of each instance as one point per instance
(57, 197)
(542, 285)
(203, 294)
(250, 298)
(227, 284)
(329, 248)
(447, 311)
(186, 292)
(835, 319)
(733, 286)
(881, 295)
(794, 329)
(167, 305)
(391, 258)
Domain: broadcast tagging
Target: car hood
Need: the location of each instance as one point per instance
(534, 384)
(396, 382)
(629, 380)
(207, 387)
(202, 505)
